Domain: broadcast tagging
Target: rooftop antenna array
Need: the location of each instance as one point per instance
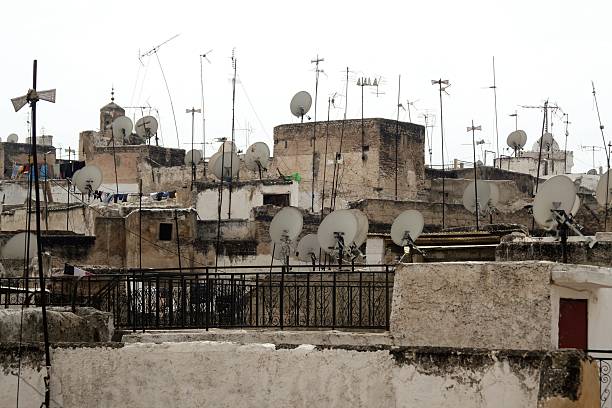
(257, 157)
(32, 97)
(315, 61)
(405, 230)
(300, 104)
(154, 51)
(443, 84)
(554, 207)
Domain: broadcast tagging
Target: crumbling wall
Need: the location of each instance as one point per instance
(477, 304)
(218, 374)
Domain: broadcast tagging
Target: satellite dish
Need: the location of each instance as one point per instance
(340, 224)
(576, 206)
(15, 248)
(484, 195)
(557, 193)
(122, 127)
(224, 166)
(300, 104)
(257, 156)
(308, 248)
(146, 127)
(600, 192)
(362, 227)
(228, 146)
(592, 172)
(87, 179)
(286, 225)
(407, 225)
(548, 143)
(193, 156)
(517, 140)
(12, 138)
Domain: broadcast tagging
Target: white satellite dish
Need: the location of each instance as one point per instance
(308, 248)
(484, 195)
(363, 226)
(300, 104)
(407, 227)
(600, 192)
(224, 166)
(548, 143)
(15, 248)
(87, 179)
(257, 156)
(193, 156)
(12, 138)
(557, 193)
(122, 127)
(286, 225)
(227, 146)
(517, 140)
(337, 231)
(146, 127)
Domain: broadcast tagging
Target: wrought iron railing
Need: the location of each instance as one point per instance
(281, 297)
(604, 364)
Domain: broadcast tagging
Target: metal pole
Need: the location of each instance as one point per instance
(473, 129)
(442, 155)
(324, 158)
(39, 252)
(203, 115)
(399, 87)
(178, 242)
(495, 104)
(229, 200)
(314, 129)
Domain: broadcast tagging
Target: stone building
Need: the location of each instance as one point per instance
(366, 160)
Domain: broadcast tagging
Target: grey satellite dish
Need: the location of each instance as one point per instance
(122, 127)
(576, 206)
(337, 231)
(363, 226)
(286, 225)
(87, 179)
(193, 156)
(228, 146)
(15, 248)
(300, 104)
(600, 192)
(146, 127)
(12, 138)
(308, 248)
(557, 193)
(257, 156)
(484, 195)
(224, 166)
(592, 172)
(548, 143)
(407, 227)
(517, 140)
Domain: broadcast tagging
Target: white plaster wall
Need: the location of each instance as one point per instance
(244, 198)
(375, 250)
(214, 374)
(599, 312)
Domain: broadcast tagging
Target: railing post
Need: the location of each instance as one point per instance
(129, 303)
(282, 297)
(183, 300)
(387, 297)
(256, 301)
(208, 298)
(334, 299)
(157, 301)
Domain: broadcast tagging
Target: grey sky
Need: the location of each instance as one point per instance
(543, 49)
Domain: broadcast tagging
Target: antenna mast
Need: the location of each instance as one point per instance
(154, 51)
(338, 154)
(399, 87)
(494, 87)
(203, 56)
(315, 61)
(603, 138)
(229, 201)
(441, 82)
(473, 129)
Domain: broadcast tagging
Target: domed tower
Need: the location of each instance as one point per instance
(109, 112)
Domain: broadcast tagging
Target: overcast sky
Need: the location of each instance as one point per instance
(542, 49)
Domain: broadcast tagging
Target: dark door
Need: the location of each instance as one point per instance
(573, 323)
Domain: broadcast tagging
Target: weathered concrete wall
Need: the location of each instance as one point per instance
(19, 152)
(480, 304)
(373, 176)
(215, 374)
(80, 219)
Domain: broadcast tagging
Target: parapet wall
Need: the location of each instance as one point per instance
(216, 374)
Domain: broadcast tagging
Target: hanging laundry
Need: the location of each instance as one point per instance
(74, 271)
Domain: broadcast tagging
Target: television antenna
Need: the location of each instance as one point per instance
(315, 61)
(608, 150)
(193, 111)
(515, 116)
(203, 57)
(154, 51)
(443, 84)
(494, 87)
(473, 129)
(32, 97)
(591, 149)
(405, 230)
(363, 82)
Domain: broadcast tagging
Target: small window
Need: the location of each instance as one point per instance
(165, 231)
(285, 144)
(279, 200)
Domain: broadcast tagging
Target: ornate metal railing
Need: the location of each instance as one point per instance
(604, 364)
(296, 296)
